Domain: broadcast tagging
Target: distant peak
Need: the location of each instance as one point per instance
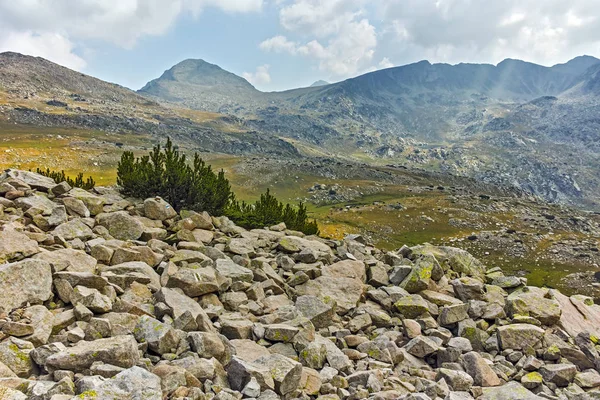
(320, 83)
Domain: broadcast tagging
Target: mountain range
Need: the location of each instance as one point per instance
(515, 124)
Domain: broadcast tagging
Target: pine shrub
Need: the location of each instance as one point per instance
(195, 186)
(269, 211)
(59, 177)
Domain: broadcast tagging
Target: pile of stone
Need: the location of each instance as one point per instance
(104, 297)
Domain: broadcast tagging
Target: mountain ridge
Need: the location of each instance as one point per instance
(390, 114)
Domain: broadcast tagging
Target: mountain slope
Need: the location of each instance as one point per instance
(37, 92)
(516, 123)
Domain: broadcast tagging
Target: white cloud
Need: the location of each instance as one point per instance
(546, 32)
(260, 77)
(343, 42)
(53, 27)
(279, 44)
(51, 46)
(385, 63)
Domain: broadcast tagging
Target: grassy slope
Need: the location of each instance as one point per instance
(425, 214)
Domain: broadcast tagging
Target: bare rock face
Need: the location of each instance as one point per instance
(133, 304)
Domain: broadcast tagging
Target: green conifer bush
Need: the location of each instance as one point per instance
(195, 186)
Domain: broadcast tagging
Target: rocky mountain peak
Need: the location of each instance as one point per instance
(198, 72)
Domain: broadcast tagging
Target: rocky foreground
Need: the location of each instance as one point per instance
(110, 298)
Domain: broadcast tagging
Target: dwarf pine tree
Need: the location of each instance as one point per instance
(165, 172)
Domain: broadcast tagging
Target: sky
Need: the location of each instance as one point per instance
(283, 44)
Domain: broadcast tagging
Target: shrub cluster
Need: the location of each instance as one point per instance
(59, 177)
(195, 186)
(166, 173)
(269, 211)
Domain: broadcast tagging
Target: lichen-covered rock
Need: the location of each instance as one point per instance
(457, 380)
(121, 225)
(346, 269)
(179, 304)
(16, 355)
(132, 383)
(161, 338)
(558, 374)
(27, 281)
(119, 350)
(233, 271)
(286, 373)
(479, 369)
(419, 276)
(510, 391)
(15, 246)
(74, 229)
(91, 298)
(458, 260)
(411, 306)
(319, 311)
(345, 292)
(534, 302)
(68, 260)
(519, 336)
(34, 180)
(194, 281)
(92, 202)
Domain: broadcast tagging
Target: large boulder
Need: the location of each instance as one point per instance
(510, 391)
(534, 302)
(194, 281)
(180, 304)
(15, 246)
(157, 208)
(346, 292)
(228, 269)
(319, 311)
(94, 203)
(121, 225)
(120, 351)
(132, 271)
(420, 275)
(457, 260)
(15, 354)
(161, 338)
(346, 269)
(479, 369)
(28, 281)
(41, 204)
(578, 315)
(34, 180)
(519, 336)
(68, 260)
(295, 244)
(74, 229)
(411, 306)
(558, 374)
(132, 383)
(286, 373)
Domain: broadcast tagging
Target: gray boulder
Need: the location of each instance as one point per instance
(121, 225)
(28, 281)
(121, 351)
(16, 246)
